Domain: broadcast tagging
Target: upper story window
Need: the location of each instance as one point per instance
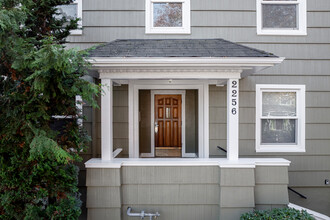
(72, 11)
(281, 17)
(280, 118)
(167, 16)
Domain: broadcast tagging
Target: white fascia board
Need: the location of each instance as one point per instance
(99, 62)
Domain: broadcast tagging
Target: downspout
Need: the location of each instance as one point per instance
(142, 214)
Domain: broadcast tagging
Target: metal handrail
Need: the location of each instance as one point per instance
(220, 148)
(301, 195)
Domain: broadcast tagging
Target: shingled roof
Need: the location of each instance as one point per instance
(176, 48)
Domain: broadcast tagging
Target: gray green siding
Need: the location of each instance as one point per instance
(307, 62)
(183, 192)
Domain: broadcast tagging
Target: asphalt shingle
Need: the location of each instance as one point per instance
(176, 48)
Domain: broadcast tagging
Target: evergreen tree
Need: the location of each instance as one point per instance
(39, 78)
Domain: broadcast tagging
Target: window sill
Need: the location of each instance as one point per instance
(168, 31)
(279, 148)
(76, 32)
(282, 32)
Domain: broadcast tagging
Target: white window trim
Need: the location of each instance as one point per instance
(79, 15)
(185, 29)
(300, 106)
(79, 106)
(302, 19)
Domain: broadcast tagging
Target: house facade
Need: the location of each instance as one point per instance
(184, 77)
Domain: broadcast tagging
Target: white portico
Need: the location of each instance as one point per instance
(174, 74)
(169, 89)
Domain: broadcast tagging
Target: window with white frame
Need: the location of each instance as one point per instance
(281, 17)
(167, 16)
(280, 118)
(72, 11)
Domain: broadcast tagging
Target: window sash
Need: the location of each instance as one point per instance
(296, 124)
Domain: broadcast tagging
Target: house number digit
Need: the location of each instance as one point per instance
(234, 97)
(234, 84)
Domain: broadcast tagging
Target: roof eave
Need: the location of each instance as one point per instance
(257, 62)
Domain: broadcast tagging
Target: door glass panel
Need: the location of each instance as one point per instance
(168, 112)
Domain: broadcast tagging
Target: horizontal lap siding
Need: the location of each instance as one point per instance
(175, 192)
(120, 119)
(313, 5)
(307, 62)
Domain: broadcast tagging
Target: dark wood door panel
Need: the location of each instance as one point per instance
(168, 124)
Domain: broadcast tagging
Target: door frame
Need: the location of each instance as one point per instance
(183, 118)
(203, 110)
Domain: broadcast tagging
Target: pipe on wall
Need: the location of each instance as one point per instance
(142, 214)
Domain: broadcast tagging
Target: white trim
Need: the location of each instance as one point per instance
(170, 75)
(301, 19)
(183, 118)
(316, 215)
(221, 162)
(120, 68)
(117, 152)
(144, 62)
(185, 29)
(79, 106)
(206, 109)
(300, 108)
(130, 119)
(159, 85)
(232, 119)
(79, 15)
(106, 120)
(190, 155)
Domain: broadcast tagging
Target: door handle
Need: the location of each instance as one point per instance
(156, 127)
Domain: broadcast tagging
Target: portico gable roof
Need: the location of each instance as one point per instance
(213, 54)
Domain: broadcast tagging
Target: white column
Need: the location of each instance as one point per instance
(131, 119)
(106, 120)
(206, 121)
(232, 119)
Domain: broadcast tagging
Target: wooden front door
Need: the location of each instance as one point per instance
(168, 125)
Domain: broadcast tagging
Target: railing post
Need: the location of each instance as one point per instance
(232, 119)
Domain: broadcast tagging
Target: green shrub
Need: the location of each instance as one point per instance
(277, 214)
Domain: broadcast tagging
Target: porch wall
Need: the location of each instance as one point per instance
(181, 192)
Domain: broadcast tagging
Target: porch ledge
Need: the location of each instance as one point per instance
(221, 162)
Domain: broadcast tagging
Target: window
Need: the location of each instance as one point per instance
(167, 16)
(72, 11)
(281, 17)
(62, 120)
(280, 118)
